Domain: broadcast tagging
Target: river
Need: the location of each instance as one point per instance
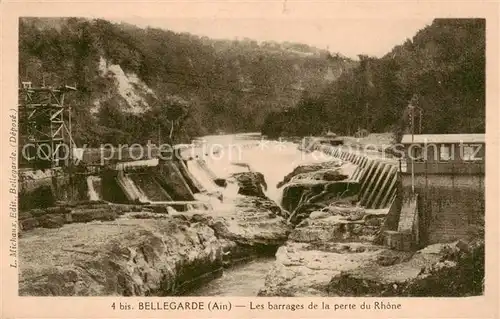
(243, 280)
(274, 159)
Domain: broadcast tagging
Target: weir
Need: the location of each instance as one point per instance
(92, 192)
(432, 199)
(202, 175)
(149, 182)
(130, 189)
(377, 176)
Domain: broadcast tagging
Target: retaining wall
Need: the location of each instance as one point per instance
(450, 207)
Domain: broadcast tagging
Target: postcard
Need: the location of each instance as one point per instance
(250, 159)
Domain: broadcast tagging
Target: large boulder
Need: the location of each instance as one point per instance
(326, 243)
(328, 174)
(250, 183)
(309, 168)
(301, 198)
(306, 269)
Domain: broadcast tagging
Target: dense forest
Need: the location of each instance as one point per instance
(136, 84)
(441, 70)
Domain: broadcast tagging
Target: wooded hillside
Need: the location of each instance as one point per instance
(443, 66)
(129, 78)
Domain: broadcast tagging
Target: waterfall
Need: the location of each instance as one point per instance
(132, 192)
(93, 195)
(202, 175)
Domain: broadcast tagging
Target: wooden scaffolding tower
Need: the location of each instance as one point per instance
(46, 140)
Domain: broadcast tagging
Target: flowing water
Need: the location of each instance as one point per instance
(225, 155)
(239, 153)
(243, 280)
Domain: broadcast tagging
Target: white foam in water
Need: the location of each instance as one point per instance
(201, 176)
(130, 188)
(93, 196)
(271, 158)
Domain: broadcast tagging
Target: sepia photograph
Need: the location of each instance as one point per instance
(251, 157)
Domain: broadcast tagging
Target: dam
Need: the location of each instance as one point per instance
(191, 185)
(128, 175)
(226, 215)
(364, 177)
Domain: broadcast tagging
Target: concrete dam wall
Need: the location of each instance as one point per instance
(378, 177)
(448, 207)
(165, 182)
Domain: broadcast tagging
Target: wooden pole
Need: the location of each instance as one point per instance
(412, 141)
(71, 180)
(420, 121)
(159, 135)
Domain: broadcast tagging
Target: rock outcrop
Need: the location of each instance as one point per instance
(331, 254)
(256, 222)
(250, 183)
(313, 187)
(320, 247)
(127, 257)
(146, 253)
(308, 168)
(439, 270)
(331, 251)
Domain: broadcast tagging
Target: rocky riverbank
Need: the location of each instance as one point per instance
(331, 250)
(147, 253)
(333, 255)
(324, 245)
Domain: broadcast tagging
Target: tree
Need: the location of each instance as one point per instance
(173, 110)
(444, 64)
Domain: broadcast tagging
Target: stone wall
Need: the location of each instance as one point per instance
(82, 212)
(450, 207)
(42, 189)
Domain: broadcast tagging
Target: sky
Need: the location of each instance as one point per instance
(374, 36)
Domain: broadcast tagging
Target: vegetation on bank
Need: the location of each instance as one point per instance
(282, 89)
(226, 85)
(442, 67)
